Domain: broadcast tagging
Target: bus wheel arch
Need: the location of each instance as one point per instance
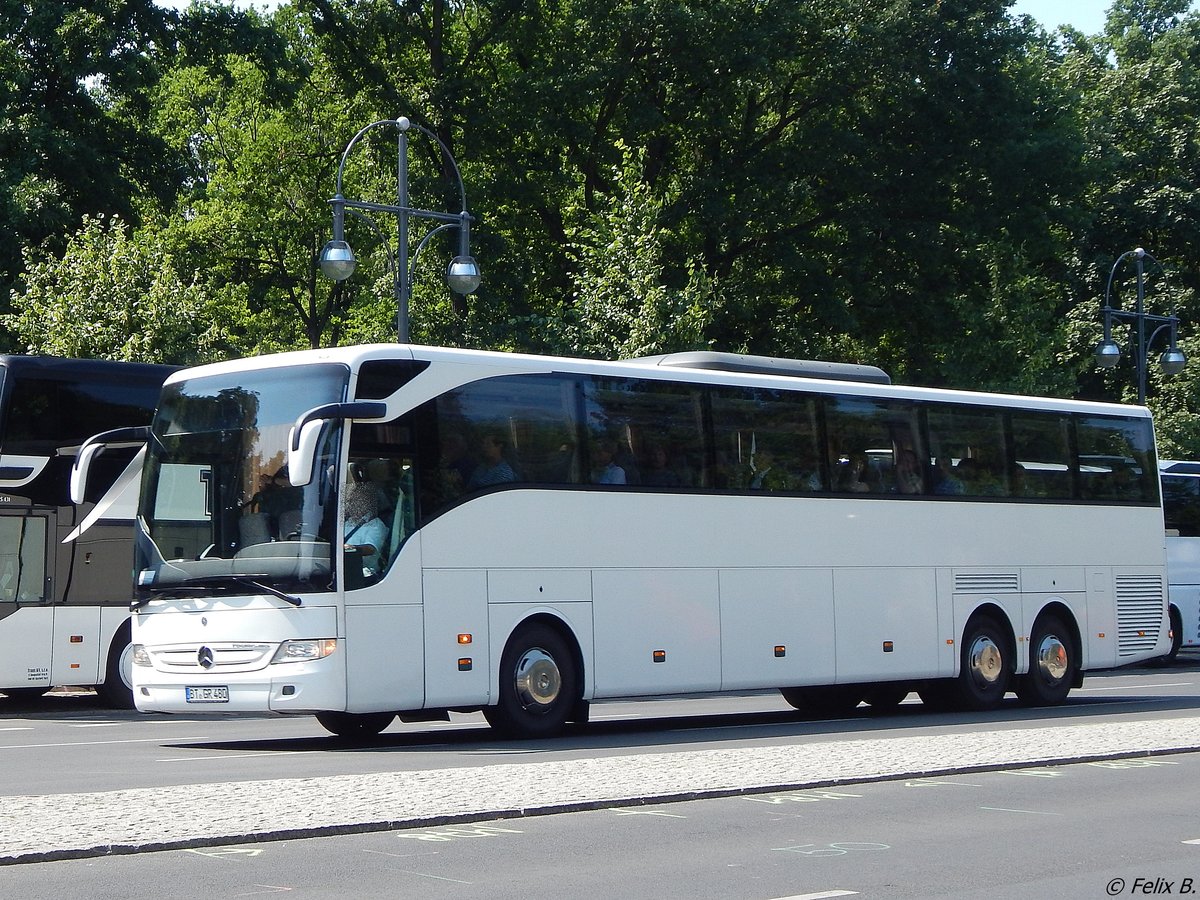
(540, 681)
(116, 690)
(1054, 659)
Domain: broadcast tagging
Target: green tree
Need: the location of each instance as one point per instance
(74, 85)
(117, 295)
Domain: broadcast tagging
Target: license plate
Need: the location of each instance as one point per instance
(207, 694)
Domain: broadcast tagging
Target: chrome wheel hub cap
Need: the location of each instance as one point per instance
(1052, 658)
(986, 661)
(538, 679)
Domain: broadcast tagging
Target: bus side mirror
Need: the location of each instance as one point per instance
(94, 446)
(306, 433)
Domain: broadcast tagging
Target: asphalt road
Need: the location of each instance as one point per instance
(1085, 830)
(67, 743)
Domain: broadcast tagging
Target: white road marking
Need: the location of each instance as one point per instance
(226, 852)
(1140, 686)
(197, 737)
(216, 757)
(1031, 812)
(271, 889)
(820, 895)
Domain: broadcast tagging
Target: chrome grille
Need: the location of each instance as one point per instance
(226, 657)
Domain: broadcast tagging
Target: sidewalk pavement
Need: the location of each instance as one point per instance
(66, 826)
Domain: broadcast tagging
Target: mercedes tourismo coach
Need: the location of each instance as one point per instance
(373, 531)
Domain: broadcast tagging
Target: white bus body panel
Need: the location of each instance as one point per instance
(735, 590)
(28, 640)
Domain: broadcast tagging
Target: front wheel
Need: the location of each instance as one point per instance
(538, 685)
(355, 726)
(1176, 635)
(1052, 664)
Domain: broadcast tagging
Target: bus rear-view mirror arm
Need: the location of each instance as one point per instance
(97, 444)
(302, 445)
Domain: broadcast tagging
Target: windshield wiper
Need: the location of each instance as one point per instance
(223, 582)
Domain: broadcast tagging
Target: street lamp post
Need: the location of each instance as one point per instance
(1108, 352)
(337, 259)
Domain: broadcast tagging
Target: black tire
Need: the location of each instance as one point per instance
(985, 666)
(539, 685)
(886, 695)
(1176, 635)
(831, 700)
(1053, 661)
(355, 726)
(116, 691)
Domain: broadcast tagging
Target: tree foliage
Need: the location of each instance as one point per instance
(934, 186)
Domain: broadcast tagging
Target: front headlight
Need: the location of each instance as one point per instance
(140, 656)
(304, 651)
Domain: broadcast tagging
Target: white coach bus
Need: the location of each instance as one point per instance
(374, 531)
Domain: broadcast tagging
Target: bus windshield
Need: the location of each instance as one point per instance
(217, 506)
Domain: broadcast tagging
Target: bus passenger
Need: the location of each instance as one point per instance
(908, 473)
(455, 466)
(494, 469)
(606, 471)
(656, 472)
(855, 478)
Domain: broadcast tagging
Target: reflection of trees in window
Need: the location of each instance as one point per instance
(767, 440)
(967, 444)
(880, 430)
(655, 426)
(1115, 459)
(1042, 448)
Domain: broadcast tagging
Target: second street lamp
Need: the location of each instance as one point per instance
(337, 259)
(1108, 351)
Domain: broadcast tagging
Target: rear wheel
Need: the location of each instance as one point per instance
(824, 700)
(539, 689)
(355, 726)
(1052, 664)
(117, 688)
(986, 666)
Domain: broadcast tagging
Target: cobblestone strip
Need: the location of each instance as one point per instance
(61, 826)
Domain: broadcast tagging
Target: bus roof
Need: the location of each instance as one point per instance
(505, 363)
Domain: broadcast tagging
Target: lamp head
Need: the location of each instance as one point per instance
(337, 261)
(1172, 361)
(463, 276)
(1108, 354)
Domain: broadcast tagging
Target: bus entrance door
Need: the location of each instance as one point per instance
(25, 601)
